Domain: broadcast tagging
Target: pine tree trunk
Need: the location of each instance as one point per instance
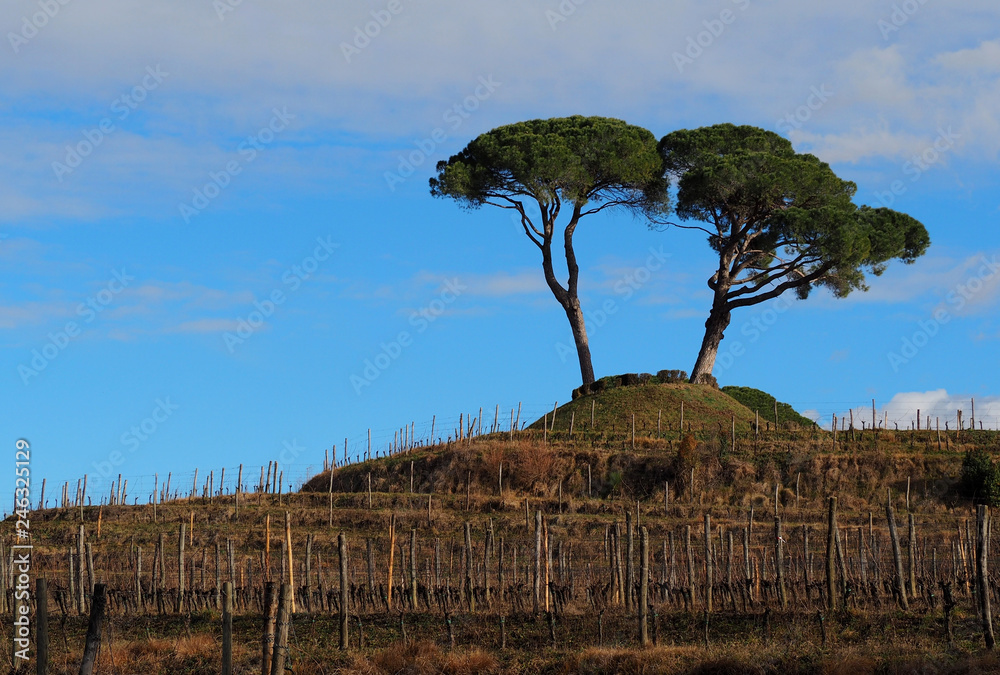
(576, 322)
(715, 327)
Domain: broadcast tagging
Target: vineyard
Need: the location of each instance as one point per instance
(637, 542)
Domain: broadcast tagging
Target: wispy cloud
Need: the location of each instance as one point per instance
(206, 326)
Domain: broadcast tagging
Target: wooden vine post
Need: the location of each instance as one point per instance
(288, 548)
(93, 640)
(779, 564)
(227, 628)
(344, 588)
(267, 641)
(280, 654)
(982, 572)
(392, 550)
(831, 556)
(41, 627)
(897, 554)
(644, 587)
(180, 569)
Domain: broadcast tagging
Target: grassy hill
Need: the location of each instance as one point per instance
(583, 485)
(764, 403)
(652, 402)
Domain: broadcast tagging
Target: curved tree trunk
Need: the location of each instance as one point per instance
(575, 316)
(567, 297)
(715, 327)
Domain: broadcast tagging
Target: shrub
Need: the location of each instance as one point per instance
(980, 480)
(708, 380)
(672, 376)
(628, 379)
(645, 378)
(762, 402)
(534, 464)
(687, 459)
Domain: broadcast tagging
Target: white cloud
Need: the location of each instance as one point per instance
(207, 326)
(939, 404)
(984, 59)
(965, 286)
(936, 406)
(504, 284)
(353, 118)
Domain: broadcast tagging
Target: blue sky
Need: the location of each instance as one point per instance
(214, 215)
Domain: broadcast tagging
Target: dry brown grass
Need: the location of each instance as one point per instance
(422, 658)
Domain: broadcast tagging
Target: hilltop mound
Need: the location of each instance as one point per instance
(652, 401)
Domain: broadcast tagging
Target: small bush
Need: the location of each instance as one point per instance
(533, 465)
(628, 379)
(980, 479)
(687, 459)
(708, 380)
(645, 378)
(672, 376)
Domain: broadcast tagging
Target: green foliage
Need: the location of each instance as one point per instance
(980, 479)
(576, 159)
(779, 217)
(671, 376)
(762, 402)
